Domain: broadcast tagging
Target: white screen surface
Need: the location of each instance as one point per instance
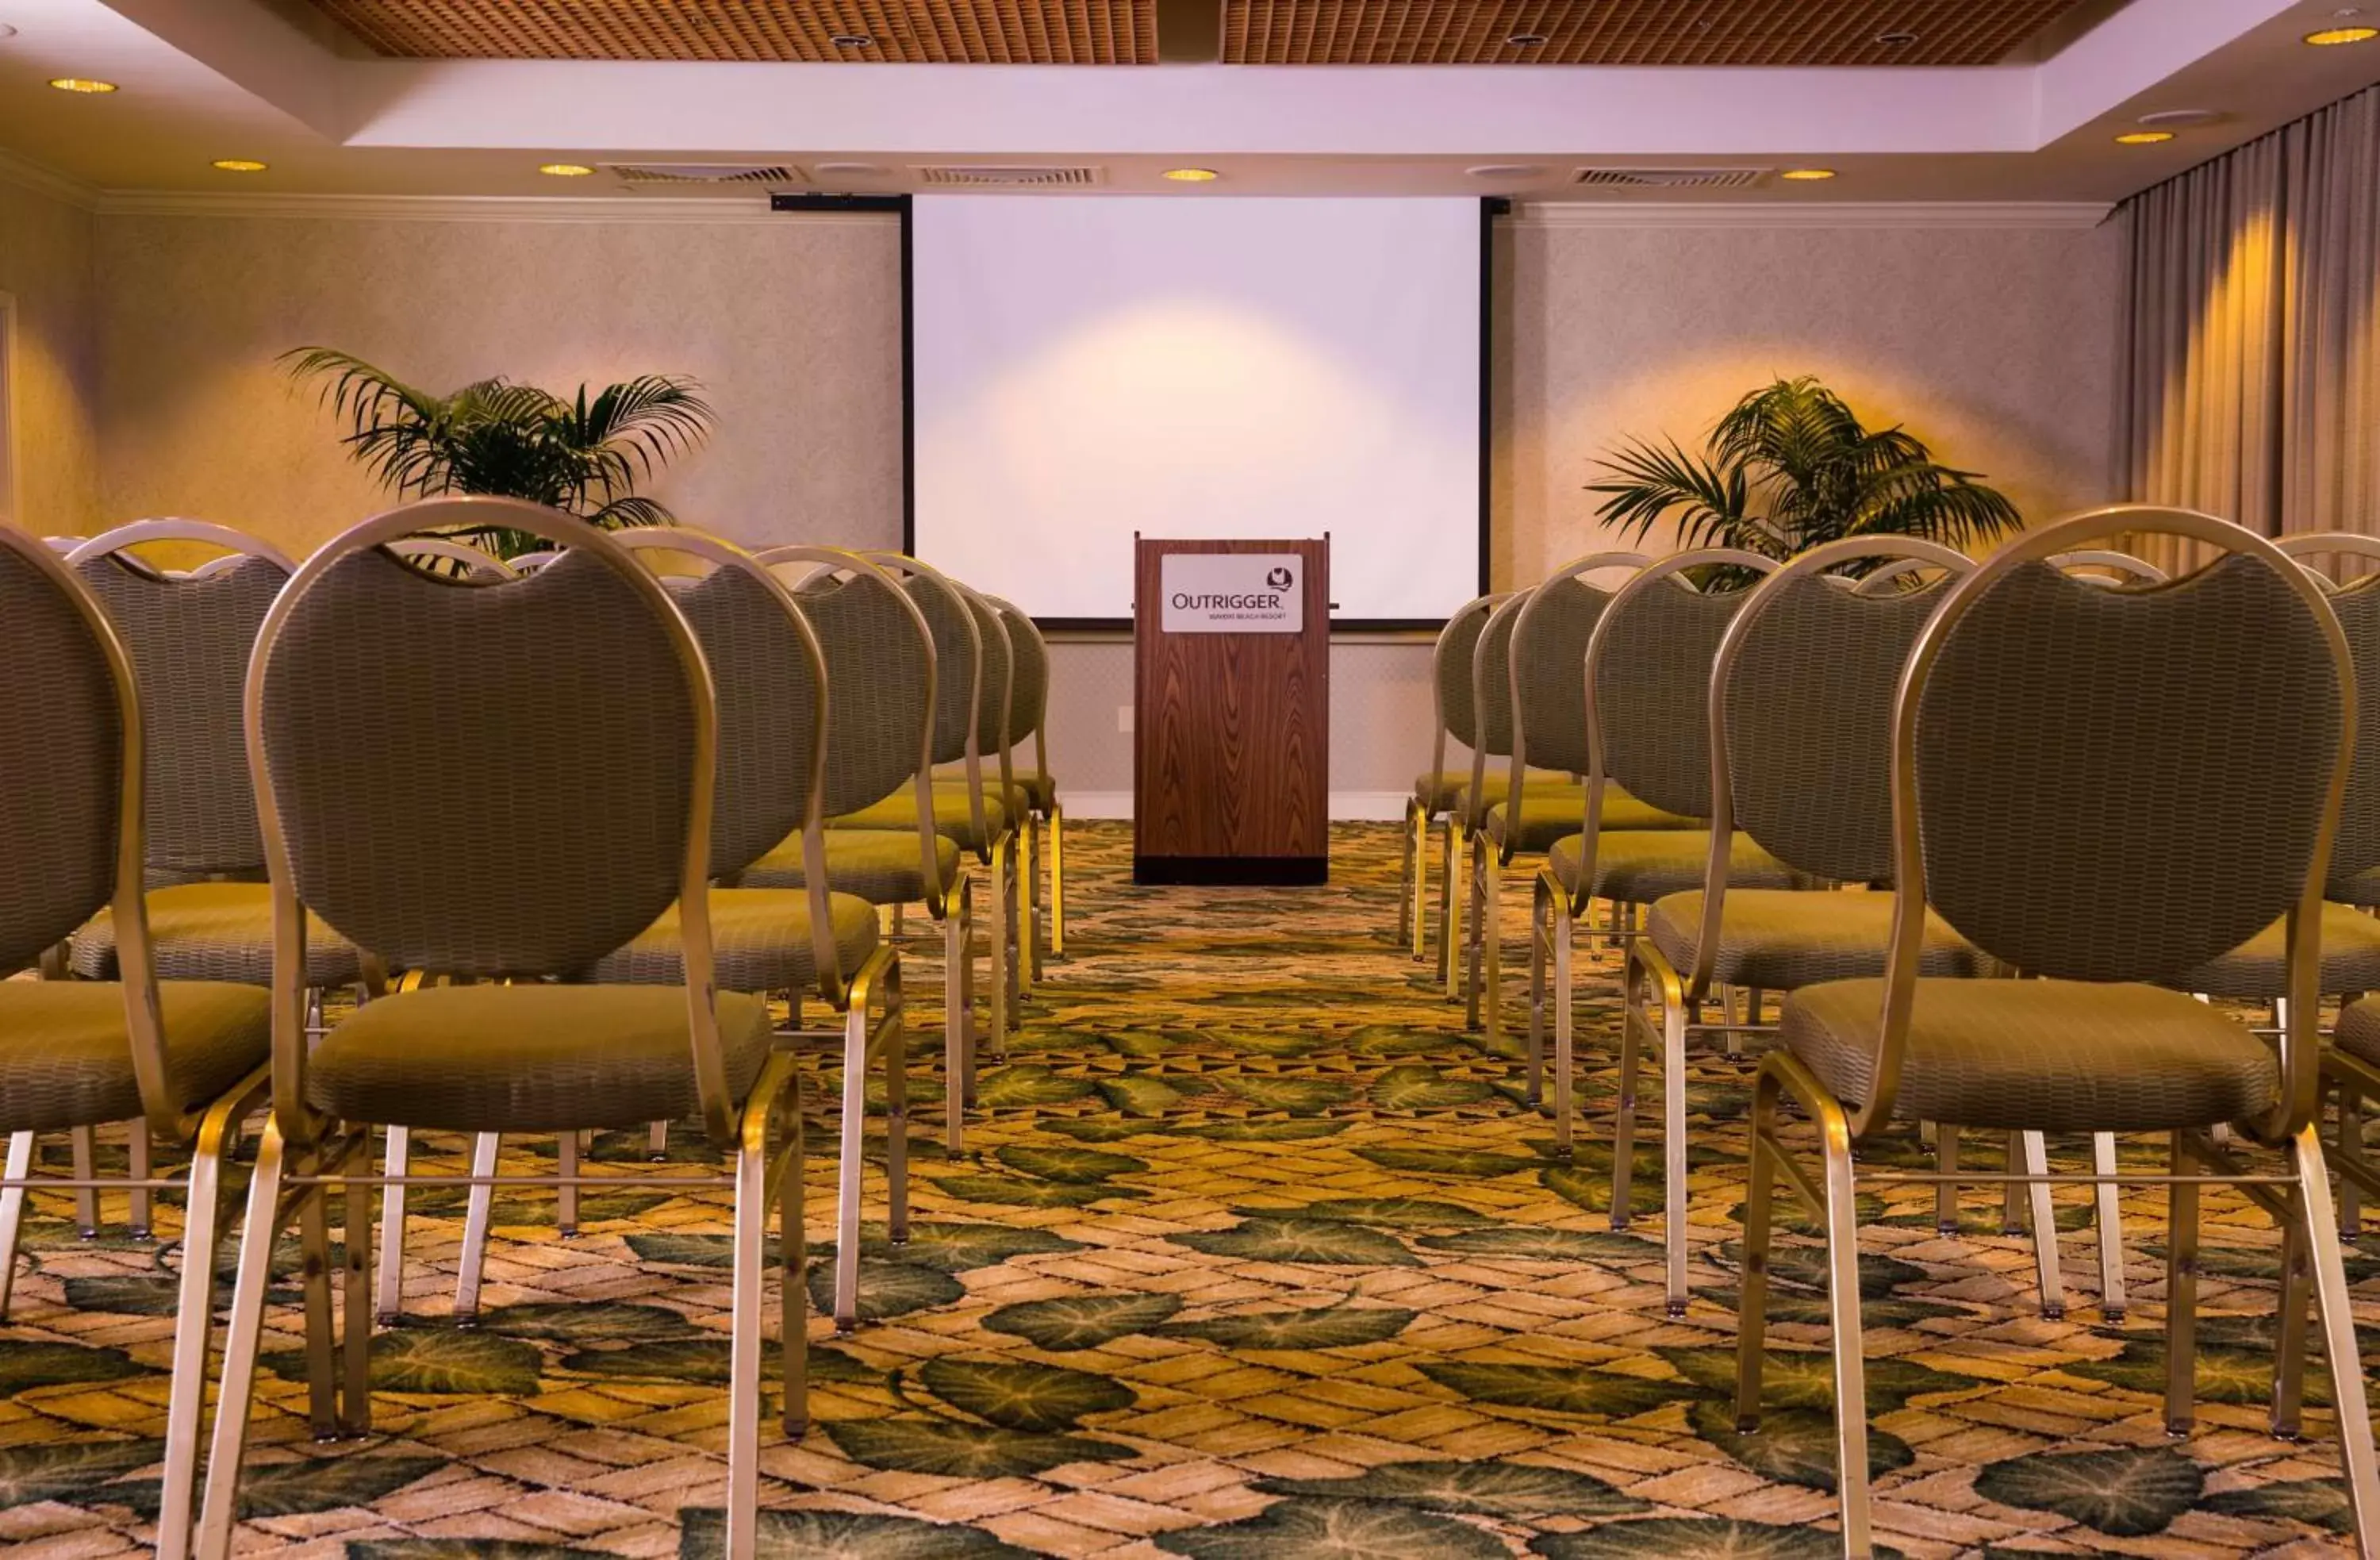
(1086, 368)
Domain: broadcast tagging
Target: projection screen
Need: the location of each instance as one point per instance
(1085, 368)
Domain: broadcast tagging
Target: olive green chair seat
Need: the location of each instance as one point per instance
(881, 866)
(1644, 866)
(2039, 1056)
(1443, 792)
(67, 1054)
(1040, 791)
(1779, 939)
(2257, 970)
(759, 941)
(1021, 795)
(1548, 815)
(217, 932)
(529, 1058)
(954, 817)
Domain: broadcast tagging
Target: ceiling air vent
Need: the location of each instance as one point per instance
(1670, 178)
(705, 174)
(1007, 175)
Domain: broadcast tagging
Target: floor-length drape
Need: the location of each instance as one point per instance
(2250, 384)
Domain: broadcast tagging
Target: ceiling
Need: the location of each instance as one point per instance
(318, 89)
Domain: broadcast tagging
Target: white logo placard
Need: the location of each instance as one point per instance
(1233, 593)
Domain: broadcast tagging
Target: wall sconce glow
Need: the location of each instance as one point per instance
(1807, 174)
(239, 164)
(2143, 138)
(565, 170)
(81, 84)
(1192, 175)
(2330, 36)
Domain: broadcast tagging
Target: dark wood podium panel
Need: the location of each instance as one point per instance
(1232, 749)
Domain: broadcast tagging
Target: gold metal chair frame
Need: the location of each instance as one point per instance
(303, 1155)
(1683, 993)
(1042, 935)
(212, 1133)
(1462, 960)
(1412, 881)
(2298, 1198)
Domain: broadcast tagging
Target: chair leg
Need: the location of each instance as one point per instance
(1843, 1313)
(1491, 930)
(793, 1255)
(2290, 1331)
(854, 1166)
(1565, 953)
(356, 1317)
(2035, 1150)
(566, 1167)
(958, 955)
(241, 1337)
(2012, 1221)
(12, 1213)
(85, 1141)
(2112, 1301)
(1450, 912)
(140, 1209)
(1945, 1196)
(390, 1303)
(743, 1330)
(476, 1214)
(1540, 933)
(194, 1317)
(894, 1045)
(2341, 1348)
(1673, 1150)
(1057, 881)
(1036, 930)
(2350, 1149)
(1409, 878)
(1003, 944)
(1752, 1294)
(2182, 1290)
(1624, 1121)
(314, 1283)
(657, 1141)
(1474, 946)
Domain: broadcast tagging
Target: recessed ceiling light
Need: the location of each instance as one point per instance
(239, 164)
(1513, 171)
(1897, 39)
(1192, 175)
(1807, 174)
(2143, 138)
(565, 170)
(2331, 35)
(1525, 39)
(80, 84)
(852, 41)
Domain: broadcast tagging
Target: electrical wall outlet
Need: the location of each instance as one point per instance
(1123, 717)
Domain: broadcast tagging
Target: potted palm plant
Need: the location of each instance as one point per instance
(1791, 466)
(584, 454)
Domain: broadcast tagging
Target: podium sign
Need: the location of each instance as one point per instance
(1232, 724)
(1233, 594)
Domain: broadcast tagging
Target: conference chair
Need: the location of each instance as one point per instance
(1545, 691)
(883, 680)
(209, 911)
(583, 693)
(1800, 743)
(995, 701)
(1645, 677)
(1028, 715)
(2102, 789)
(766, 665)
(182, 1060)
(1491, 712)
(1435, 789)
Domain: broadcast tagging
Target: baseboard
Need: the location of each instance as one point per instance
(1346, 807)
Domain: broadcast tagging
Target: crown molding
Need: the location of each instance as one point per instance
(745, 210)
(24, 174)
(1840, 213)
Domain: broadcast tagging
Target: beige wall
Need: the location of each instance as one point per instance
(47, 266)
(792, 326)
(1997, 344)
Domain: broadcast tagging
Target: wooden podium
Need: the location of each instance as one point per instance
(1232, 681)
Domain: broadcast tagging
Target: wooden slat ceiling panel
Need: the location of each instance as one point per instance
(906, 32)
(1706, 32)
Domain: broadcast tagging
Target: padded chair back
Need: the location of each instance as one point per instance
(1648, 669)
(766, 667)
(67, 730)
(2355, 858)
(1801, 707)
(998, 681)
(404, 726)
(960, 654)
(189, 636)
(881, 674)
(2118, 785)
(1028, 694)
(1547, 663)
(1492, 685)
(1450, 671)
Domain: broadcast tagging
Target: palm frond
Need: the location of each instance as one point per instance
(625, 514)
(1649, 484)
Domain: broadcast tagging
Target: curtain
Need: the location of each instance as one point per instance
(2251, 382)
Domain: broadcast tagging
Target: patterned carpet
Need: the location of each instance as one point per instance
(1256, 1254)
